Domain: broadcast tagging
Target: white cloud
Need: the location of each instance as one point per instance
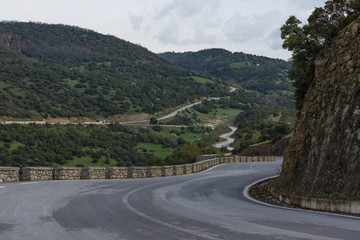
(136, 21)
(240, 28)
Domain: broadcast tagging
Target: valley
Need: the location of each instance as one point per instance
(66, 83)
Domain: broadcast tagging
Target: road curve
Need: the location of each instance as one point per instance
(228, 140)
(207, 205)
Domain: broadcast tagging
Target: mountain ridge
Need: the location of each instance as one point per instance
(249, 71)
(66, 71)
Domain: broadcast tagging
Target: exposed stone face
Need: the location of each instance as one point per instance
(37, 173)
(93, 173)
(67, 173)
(116, 172)
(324, 154)
(9, 174)
(154, 171)
(137, 172)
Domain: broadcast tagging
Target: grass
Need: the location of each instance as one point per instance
(202, 80)
(260, 143)
(191, 137)
(220, 115)
(156, 149)
(240, 64)
(289, 135)
(71, 83)
(275, 118)
(15, 145)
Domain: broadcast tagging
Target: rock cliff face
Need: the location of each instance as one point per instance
(324, 155)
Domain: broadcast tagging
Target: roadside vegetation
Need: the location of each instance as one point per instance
(309, 41)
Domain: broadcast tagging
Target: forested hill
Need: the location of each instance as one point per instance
(249, 71)
(64, 71)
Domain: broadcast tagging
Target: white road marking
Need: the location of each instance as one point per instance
(141, 214)
(27, 183)
(2, 186)
(246, 194)
(209, 169)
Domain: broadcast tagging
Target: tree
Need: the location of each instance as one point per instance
(309, 41)
(153, 121)
(190, 151)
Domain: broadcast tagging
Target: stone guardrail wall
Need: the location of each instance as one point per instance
(9, 174)
(76, 173)
(320, 204)
(37, 173)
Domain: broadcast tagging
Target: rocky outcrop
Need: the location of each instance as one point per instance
(324, 155)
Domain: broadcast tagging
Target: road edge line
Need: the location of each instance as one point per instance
(246, 194)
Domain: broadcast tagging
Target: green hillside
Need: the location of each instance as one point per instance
(64, 71)
(265, 101)
(252, 72)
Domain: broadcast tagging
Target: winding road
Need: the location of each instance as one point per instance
(206, 205)
(229, 140)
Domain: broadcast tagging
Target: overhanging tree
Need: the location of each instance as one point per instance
(307, 42)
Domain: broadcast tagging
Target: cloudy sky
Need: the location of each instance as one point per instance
(250, 26)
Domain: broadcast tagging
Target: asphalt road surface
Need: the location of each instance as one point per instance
(207, 205)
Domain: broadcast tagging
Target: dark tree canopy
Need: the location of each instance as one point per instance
(309, 41)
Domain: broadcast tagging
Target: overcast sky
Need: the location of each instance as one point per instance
(250, 26)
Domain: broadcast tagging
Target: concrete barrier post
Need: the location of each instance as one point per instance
(196, 167)
(9, 174)
(167, 171)
(67, 173)
(93, 173)
(137, 172)
(178, 169)
(116, 172)
(206, 164)
(37, 173)
(154, 171)
(187, 168)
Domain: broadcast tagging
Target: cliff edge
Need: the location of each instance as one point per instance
(323, 157)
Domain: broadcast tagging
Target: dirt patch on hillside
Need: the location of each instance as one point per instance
(69, 120)
(130, 117)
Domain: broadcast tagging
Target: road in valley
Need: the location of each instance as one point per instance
(206, 205)
(229, 140)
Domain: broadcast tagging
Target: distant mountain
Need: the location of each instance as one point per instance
(252, 72)
(63, 71)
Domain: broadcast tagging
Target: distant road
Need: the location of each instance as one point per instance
(228, 140)
(144, 122)
(206, 205)
(179, 110)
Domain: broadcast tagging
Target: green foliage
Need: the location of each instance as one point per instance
(92, 145)
(249, 71)
(70, 145)
(309, 41)
(153, 120)
(187, 154)
(259, 125)
(157, 150)
(63, 71)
